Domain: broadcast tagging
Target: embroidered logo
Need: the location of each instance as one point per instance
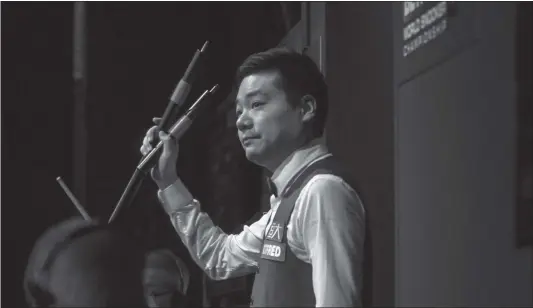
(275, 232)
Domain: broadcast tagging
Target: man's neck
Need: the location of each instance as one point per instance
(277, 164)
(299, 158)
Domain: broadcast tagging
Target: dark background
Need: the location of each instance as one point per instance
(136, 54)
(436, 141)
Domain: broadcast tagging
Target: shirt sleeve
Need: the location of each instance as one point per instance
(333, 230)
(220, 255)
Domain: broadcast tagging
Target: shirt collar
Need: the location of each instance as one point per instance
(294, 163)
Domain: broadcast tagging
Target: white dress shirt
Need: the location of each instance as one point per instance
(326, 229)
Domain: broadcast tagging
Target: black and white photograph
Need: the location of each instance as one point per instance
(234, 154)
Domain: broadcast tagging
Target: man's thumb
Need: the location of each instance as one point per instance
(169, 144)
(154, 174)
(156, 121)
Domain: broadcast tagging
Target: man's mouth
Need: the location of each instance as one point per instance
(246, 140)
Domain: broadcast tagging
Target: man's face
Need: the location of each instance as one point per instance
(269, 127)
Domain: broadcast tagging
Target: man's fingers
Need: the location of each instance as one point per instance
(146, 146)
(163, 136)
(167, 138)
(145, 150)
(169, 144)
(153, 173)
(151, 134)
(151, 131)
(166, 144)
(147, 142)
(156, 121)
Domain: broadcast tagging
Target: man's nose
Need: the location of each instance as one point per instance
(244, 122)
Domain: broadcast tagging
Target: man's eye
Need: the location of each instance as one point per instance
(257, 104)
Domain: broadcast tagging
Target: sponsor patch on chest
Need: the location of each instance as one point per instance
(275, 232)
(273, 251)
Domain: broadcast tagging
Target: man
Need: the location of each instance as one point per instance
(307, 250)
(79, 263)
(166, 279)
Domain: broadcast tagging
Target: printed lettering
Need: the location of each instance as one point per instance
(425, 20)
(425, 37)
(267, 249)
(276, 252)
(410, 6)
(273, 251)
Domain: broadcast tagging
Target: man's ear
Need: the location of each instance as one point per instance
(308, 107)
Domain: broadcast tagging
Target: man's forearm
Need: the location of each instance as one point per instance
(213, 250)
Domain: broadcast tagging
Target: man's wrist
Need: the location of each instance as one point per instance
(175, 196)
(167, 181)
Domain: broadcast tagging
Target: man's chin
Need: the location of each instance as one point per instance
(254, 156)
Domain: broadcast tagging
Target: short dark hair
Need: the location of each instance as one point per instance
(108, 264)
(300, 76)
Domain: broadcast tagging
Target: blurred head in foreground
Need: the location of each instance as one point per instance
(82, 263)
(166, 279)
